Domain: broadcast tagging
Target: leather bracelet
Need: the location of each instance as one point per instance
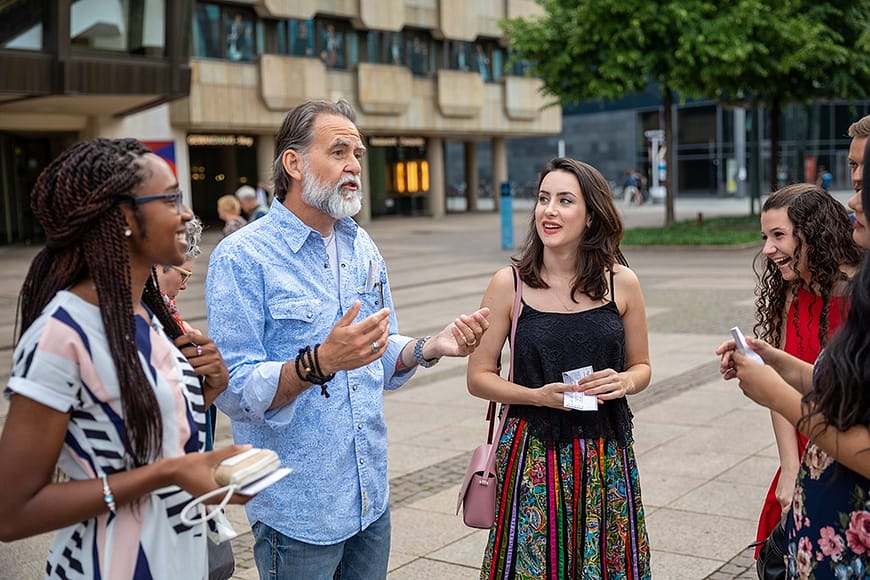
(308, 362)
(418, 354)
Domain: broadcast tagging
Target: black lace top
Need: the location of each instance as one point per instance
(548, 343)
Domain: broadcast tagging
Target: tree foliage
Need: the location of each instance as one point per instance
(773, 52)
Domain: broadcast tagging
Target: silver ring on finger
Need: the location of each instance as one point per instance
(198, 350)
(376, 346)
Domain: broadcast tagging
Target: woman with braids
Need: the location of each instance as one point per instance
(803, 271)
(97, 387)
(569, 503)
(828, 525)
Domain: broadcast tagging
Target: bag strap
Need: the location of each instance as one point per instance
(515, 313)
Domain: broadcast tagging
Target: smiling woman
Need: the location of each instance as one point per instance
(803, 271)
(98, 388)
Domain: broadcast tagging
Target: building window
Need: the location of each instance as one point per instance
(337, 43)
(296, 37)
(458, 55)
(224, 32)
(519, 67)
(385, 47)
(497, 63)
(239, 35)
(126, 26)
(21, 25)
(419, 52)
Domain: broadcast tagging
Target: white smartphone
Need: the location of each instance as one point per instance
(743, 347)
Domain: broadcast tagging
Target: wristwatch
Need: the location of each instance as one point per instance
(418, 354)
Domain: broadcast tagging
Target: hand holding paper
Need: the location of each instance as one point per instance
(576, 400)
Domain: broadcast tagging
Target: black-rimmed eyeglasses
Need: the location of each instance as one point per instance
(175, 195)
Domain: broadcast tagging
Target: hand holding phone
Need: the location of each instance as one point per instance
(743, 347)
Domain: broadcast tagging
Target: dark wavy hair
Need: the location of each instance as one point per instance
(841, 386)
(77, 201)
(821, 228)
(598, 250)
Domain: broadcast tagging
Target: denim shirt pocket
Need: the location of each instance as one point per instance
(371, 301)
(301, 316)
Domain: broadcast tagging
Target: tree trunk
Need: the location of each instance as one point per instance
(670, 155)
(774, 113)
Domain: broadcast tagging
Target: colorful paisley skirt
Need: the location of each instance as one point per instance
(566, 510)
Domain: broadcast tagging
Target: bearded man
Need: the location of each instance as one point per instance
(300, 299)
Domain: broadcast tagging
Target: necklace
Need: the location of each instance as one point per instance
(562, 302)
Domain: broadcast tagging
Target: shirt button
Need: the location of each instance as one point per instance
(359, 425)
(362, 461)
(344, 265)
(353, 388)
(326, 265)
(310, 315)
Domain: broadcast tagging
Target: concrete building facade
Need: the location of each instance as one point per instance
(208, 83)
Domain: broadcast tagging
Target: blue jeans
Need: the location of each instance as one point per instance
(363, 556)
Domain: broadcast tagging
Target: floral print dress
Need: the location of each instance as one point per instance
(828, 529)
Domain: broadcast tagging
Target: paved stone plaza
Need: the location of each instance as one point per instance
(706, 453)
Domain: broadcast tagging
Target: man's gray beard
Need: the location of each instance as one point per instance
(330, 200)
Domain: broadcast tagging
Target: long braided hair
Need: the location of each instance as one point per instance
(76, 200)
(821, 225)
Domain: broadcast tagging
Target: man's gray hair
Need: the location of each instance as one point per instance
(296, 133)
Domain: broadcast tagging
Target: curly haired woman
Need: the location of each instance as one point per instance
(803, 271)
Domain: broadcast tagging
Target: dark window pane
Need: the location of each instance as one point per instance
(239, 35)
(207, 31)
(21, 24)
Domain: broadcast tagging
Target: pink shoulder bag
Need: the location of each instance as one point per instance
(477, 493)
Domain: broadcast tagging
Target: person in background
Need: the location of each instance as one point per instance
(569, 501)
(99, 389)
(630, 190)
(250, 204)
(262, 194)
(300, 299)
(803, 272)
(859, 131)
(172, 279)
(826, 528)
(825, 178)
(230, 211)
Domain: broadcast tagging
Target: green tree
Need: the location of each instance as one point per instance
(789, 51)
(773, 52)
(605, 49)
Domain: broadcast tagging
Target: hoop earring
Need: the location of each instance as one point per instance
(128, 232)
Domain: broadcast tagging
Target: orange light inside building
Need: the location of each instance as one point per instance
(411, 176)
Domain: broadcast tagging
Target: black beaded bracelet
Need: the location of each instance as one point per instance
(313, 374)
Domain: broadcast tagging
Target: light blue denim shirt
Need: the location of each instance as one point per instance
(270, 291)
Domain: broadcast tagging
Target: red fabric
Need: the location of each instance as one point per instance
(802, 341)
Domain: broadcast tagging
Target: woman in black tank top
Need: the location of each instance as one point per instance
(569, 502)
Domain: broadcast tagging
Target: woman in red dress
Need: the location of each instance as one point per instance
(803, 271)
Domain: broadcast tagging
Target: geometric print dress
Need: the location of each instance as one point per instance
(568, 497)
(63, 361)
